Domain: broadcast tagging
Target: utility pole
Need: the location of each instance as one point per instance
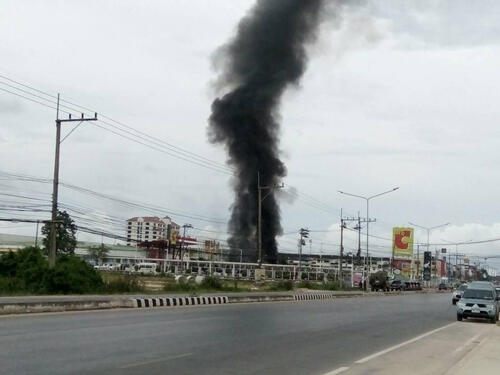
(321, 257)
(341, 260)
(185, 226)
(259, 223)
(304, 233)
(343, 226)
(358, 227)
(55, 186)
(418, 261)
(36, 234)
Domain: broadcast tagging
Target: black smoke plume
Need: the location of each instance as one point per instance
(266, 55)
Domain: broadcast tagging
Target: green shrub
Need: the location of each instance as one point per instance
(11, 285)
(73, 275)
(24, 271)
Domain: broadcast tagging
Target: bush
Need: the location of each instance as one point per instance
(73, 275)
(24, 271)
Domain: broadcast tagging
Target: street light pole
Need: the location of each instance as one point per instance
(429, 229)
(367, 199)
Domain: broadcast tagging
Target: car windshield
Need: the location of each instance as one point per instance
(478, 294)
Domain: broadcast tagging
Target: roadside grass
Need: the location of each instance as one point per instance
(209, 284)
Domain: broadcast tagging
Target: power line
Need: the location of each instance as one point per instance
(176, 151)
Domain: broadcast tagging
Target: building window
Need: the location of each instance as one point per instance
(129, 231)
(129, 223)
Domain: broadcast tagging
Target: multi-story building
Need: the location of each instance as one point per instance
(149, 228)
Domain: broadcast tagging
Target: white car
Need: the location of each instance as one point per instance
(146, 268)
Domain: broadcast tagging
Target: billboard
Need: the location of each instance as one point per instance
(427, 265)
(402, 242)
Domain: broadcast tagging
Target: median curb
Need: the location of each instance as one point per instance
(43, 304)
(59, 306)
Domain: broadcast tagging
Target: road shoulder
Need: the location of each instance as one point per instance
(458, 348)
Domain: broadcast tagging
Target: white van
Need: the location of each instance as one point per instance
(146, 268)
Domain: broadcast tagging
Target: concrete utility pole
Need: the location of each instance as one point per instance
(418, 262)
(36, 234)
(304, 233)
(358, 228)
(185, 226)
(342, 227)
(341, 260)
(368, 220)
(259, 224)
(55, 185)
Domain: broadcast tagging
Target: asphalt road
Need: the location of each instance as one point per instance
(312, 337)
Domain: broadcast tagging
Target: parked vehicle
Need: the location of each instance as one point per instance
(442, 286)
(479, 301)
(457, 293)
(146, 268)
(412, 285)
(379, 281)
(396, 285)
(107, 267)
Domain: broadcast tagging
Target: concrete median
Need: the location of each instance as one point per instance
(42, 304)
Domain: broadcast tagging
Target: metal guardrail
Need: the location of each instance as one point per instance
(237, 270)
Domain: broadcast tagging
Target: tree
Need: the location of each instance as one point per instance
(65, 234)
(98, 253)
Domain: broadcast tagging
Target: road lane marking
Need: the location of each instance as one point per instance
(392, 348)
(157, 360)
(337, 371)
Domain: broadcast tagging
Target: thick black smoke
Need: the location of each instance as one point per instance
(266, 55)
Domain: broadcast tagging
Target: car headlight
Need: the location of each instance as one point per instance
(461, 305)
(490, 306)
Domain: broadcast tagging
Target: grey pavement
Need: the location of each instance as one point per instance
(312, 337)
